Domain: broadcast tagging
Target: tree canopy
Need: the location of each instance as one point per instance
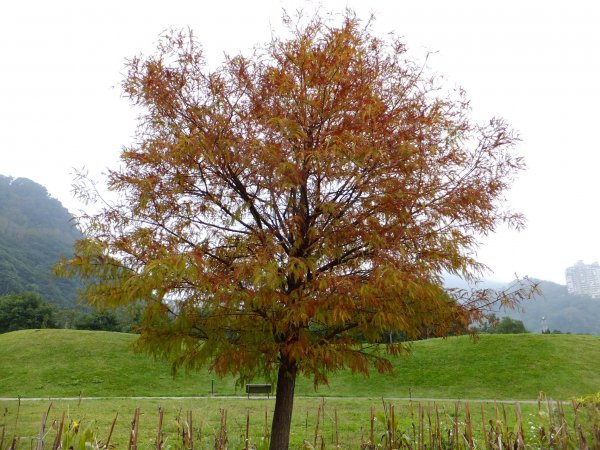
(25, 311)
(493, 325)
(274, 209)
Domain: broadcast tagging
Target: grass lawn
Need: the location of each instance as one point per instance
(70, 363)
(67, 363)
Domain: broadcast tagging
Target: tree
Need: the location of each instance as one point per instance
(508, 326)
(98, 320)
(493, 325)
(277, 209)
(25, 311)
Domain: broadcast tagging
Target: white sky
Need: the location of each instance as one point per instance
(535, 63)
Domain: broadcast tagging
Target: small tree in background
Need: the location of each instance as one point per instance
(98, 320)
(508, 326)
(276, 208)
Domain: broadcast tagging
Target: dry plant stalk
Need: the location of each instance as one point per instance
(247, 439)
(564, 438)
(106, 446)
(520, 443)
(438, 426)
(59, 431)
(431, 431)
(320, 412)
(372, 434)
(266, 427)
(188, 433)
(421, 436)
(222, 440)
(505, 422)
(159, 433)
(13, 443)
(469, 427)
(133, 434)
(486, 441)
(456, 440)
(387, 426)
(550, 412)
(391, 426)
(581, 439)
(337, 435)
(42, 432)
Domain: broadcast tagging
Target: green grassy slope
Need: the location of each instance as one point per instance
(44, 363)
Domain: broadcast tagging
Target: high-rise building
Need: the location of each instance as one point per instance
(584, 279)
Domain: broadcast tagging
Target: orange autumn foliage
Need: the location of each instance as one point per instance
(281, 211)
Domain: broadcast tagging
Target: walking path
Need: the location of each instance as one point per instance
(404, 399)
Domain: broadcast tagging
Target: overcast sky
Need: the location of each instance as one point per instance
(535, 63)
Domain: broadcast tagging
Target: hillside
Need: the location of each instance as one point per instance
(562, 311)
(43, 363)
(35, 231)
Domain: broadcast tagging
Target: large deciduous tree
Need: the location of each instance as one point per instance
(276, 213)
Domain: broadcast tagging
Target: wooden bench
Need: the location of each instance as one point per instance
(258, 389)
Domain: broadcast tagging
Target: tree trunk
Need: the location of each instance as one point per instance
(284, 405)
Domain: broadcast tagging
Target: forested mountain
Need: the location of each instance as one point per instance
(554, 308)
(35, 230)
(562, 311)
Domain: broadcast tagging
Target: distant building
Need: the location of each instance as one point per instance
(584, 279)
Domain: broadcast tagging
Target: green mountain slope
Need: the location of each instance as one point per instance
(35, 231)
(554, 308)
(52, 363)
(562, 311)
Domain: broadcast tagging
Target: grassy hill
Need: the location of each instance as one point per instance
(52, 363)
